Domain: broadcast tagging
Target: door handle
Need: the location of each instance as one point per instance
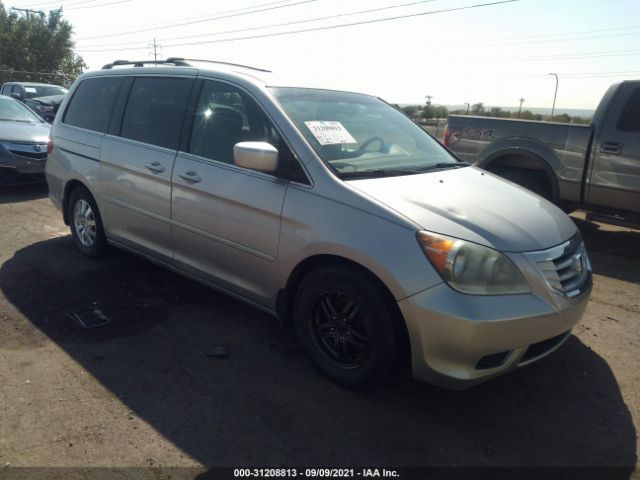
(190, 176)
(611, 148)
(155, 167)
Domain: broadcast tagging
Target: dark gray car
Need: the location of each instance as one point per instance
(45, 107)
(23, 143)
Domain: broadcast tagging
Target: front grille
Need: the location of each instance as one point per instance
(34, 155)
(565, 268)
(34, 151)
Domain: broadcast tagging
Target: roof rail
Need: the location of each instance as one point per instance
(177, 60)
(140, 63)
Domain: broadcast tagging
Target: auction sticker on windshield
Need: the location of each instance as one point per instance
(330, 133)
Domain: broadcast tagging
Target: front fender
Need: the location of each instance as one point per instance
(313, 225)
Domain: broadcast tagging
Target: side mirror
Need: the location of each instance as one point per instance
(17, 96)
(261, 156)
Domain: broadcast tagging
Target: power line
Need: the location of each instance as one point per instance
(329, 27)
(108, 4)
(501, 41)
(61, 3)
(632, 76)
(294, 22)
(571, 33)
(579, 75)
(222, 15)
(549, 40)
(566, 56)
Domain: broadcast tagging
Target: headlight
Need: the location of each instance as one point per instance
(472, 268)
(45, 108)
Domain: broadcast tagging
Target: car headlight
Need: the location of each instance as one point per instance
(472, 268)
(45, 108)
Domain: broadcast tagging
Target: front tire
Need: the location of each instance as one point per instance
(86, 224)
(346, 325)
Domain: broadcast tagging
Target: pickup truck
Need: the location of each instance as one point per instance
(591, 167)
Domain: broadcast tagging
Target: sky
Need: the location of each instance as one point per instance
(457, 51)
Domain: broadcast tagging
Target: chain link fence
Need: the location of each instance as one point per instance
(11, 75)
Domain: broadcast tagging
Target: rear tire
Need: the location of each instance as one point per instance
(347, 327)
(86, 224)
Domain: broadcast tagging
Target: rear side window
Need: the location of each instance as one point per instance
(630, 118)
(92, 103)
(155, 110)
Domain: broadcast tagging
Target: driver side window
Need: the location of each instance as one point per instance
(225, 116)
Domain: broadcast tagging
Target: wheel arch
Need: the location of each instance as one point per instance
(525, 155)
(69, 187)
(286, 296)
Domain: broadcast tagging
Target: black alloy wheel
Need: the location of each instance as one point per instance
(342, 329)
(346, 321)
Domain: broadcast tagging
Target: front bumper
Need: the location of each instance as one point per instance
(460, 340)
(18, 169)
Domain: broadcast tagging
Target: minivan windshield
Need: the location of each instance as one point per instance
(361, 136)
(13, 111)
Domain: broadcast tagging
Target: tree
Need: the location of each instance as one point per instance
(477, 108)
(529, 115)
(499, 113)
(438, 111)
(410, 110)
(562, 118)
(37, 48)
(581, 120)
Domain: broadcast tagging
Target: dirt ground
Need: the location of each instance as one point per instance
(144, 390)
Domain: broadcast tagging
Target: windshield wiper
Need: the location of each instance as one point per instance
(378, 172)
(443, 165)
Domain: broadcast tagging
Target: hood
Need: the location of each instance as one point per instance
(471, 204)
(26, 132)
(50, 100)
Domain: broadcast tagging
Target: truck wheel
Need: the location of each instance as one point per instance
(86, 224)
(346, 326)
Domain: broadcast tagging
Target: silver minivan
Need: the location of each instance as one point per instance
(330, 210)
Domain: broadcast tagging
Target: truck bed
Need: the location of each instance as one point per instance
(482, 140)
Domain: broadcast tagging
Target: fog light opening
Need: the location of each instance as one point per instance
(492, 361)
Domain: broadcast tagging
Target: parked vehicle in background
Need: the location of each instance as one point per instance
(592, 167)
(42, 98)
(23, 143)
(46, 107)
(330, 210)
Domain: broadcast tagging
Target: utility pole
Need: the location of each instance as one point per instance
(426, 115)
(155, 48)
(468, 106)
(553, 108)
(27, 11)
(520, 110)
